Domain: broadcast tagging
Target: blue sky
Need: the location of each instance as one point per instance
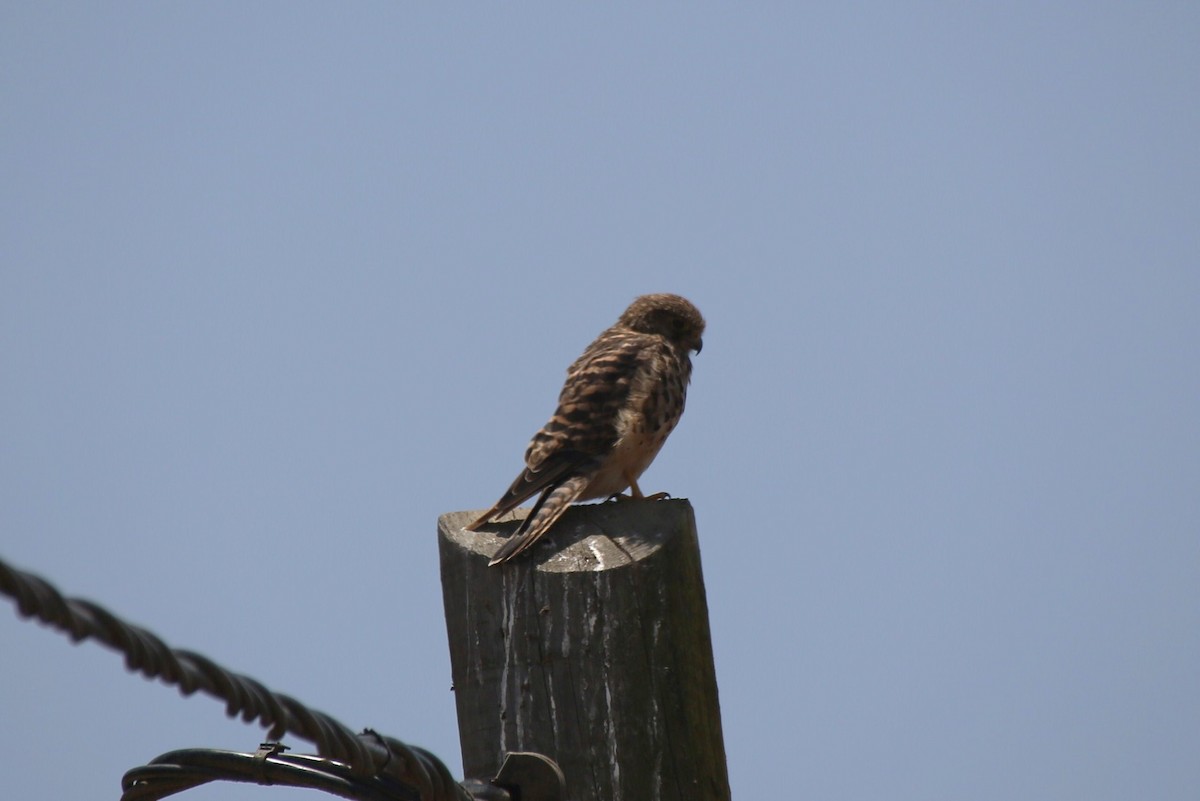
(282, 282)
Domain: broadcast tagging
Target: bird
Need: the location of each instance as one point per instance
(620, 401)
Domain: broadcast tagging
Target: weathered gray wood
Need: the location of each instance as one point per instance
(592, 648)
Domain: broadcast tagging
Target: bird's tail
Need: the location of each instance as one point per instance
(549, 508)
(483, 518)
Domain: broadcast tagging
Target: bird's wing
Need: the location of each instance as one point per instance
(531, 481)
(595, 394)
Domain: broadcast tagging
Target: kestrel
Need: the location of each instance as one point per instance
(621, 399)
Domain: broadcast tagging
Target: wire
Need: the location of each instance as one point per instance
(182, 770)
(367, 756)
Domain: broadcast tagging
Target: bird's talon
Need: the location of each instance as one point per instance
(658, 496)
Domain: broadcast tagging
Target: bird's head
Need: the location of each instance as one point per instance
(671, 316)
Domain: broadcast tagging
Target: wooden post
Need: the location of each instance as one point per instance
(593, 648)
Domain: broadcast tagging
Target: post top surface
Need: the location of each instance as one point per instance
(600, 536)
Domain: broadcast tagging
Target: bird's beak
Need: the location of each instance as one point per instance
(699, 344)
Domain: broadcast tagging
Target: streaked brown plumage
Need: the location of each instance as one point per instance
(621, 399)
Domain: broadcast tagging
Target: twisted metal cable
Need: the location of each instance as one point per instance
(367, 754)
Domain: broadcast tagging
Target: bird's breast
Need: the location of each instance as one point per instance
(648, 416)
(629, 458)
